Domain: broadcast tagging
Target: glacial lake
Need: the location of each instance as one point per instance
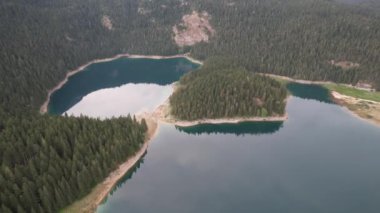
(322, 159)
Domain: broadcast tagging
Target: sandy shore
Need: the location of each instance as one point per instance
(308, 81)
(363, 109)
(299, 80)
(100, 192)
(44, 107)
(187, 56)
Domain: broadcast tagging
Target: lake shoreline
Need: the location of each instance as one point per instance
(44, 106)
(235, 120)
(304, 81)
(350, 103)
(91, 201)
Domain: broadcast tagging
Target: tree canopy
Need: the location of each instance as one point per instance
(216, 92)
(48, 162)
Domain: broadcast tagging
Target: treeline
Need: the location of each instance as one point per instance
(49, 162)
(297, 38)
(216, 92)
(40, 40)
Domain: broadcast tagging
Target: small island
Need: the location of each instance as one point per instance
(216, 94)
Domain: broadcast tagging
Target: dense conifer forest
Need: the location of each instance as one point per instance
(298, 38)
(49, 162)
(40, 40)
(218, 92)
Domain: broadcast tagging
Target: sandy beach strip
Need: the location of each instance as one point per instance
(307, 81)
(370, 112)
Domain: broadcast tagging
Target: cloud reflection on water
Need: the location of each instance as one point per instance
(121, 101)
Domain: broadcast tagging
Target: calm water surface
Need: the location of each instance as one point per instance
(322, 159)
(114, 74)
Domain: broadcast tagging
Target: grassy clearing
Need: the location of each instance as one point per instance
(353, 92)
(342, 89)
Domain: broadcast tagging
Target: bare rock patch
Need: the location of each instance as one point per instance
(194, 28)
(107, 23)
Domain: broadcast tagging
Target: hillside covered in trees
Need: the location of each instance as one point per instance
(303, 39)
(41, 40)
(218, 92)
(49, 162)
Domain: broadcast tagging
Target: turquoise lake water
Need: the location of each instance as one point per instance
(322, 159)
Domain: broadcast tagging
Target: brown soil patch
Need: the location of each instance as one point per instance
(107, 23)
(344, 64)
(365, 86)
(194, 28)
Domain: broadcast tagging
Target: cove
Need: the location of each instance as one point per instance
(321, 159)
(116, 73)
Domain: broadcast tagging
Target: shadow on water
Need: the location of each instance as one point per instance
(310, 91)
(126, 177)
(304, 91)
(243, 128)
(117, 73)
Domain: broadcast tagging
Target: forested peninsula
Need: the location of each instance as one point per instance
(217, 92)
(49, 162)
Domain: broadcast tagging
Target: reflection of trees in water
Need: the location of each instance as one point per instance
(243, 128)
(310, 91)
(305, 91)
(182, 67)
(127, 176)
